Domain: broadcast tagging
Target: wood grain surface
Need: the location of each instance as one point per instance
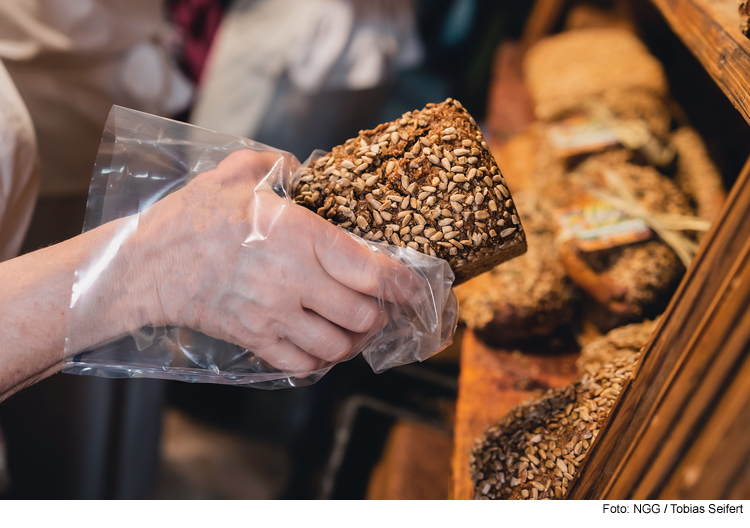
(493, 381)
(714, 37)
(415, 464)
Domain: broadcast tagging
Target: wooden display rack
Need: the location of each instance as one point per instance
(681, 428)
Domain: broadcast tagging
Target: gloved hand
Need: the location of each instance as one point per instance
(249, 267)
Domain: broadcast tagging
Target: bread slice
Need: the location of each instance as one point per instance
(427, 181)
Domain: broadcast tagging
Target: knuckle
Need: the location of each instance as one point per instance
(366, 316)
(339, 345)
(366, 272)
(241, 158)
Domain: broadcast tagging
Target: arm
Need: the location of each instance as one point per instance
(223, 256)
(34, 302)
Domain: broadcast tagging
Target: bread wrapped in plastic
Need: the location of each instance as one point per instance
(426, 181)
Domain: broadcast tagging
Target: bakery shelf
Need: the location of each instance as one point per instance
(710, 29)
(660, 439)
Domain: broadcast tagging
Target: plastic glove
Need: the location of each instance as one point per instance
(206, 271)
(249, 267)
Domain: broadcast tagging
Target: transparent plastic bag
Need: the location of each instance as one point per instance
(142, 160)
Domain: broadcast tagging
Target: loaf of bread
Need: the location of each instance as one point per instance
(538, 448)
(568, 69)
(634, 280)
(529, 296)
(426, 181)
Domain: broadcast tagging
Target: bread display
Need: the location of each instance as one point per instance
(529, 296)
(426, 181)
(630, 190)
(538, 448)
(614, 84)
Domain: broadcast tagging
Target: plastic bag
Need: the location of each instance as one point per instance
(143, 159)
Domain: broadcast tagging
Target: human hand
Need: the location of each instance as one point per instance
(230, 258)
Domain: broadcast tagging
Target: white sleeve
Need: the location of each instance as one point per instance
(19, 168)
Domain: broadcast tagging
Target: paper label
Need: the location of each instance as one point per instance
(599, 225)
(581, 135)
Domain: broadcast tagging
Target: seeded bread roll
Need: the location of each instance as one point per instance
(529, 296)
(426, 181)
(538, 448)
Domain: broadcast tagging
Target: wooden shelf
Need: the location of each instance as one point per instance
(690, 384)
(492, 382)
(710, 30)
(415, 464)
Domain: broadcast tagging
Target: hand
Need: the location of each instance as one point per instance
(231, 259)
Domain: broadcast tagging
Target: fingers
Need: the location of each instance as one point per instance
(289, 358)
(340, 305)
(358, 267)
(319, 337)
(252, 165)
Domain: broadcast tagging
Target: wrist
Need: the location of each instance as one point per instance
(158, 262)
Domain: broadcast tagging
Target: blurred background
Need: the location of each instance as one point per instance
(298, 75)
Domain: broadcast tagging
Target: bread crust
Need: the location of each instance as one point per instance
(427, 181)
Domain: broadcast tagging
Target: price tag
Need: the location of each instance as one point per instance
(582, 135)
(598, 225)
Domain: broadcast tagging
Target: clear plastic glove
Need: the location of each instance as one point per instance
(249, 267)
(238, 284)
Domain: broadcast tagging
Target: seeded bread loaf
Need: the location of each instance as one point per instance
(426, 181)
(630, 281)
(529, 296)
(645, 273)
(604, 59)
(538, 448)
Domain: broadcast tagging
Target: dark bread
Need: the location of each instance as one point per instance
(427, 181)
